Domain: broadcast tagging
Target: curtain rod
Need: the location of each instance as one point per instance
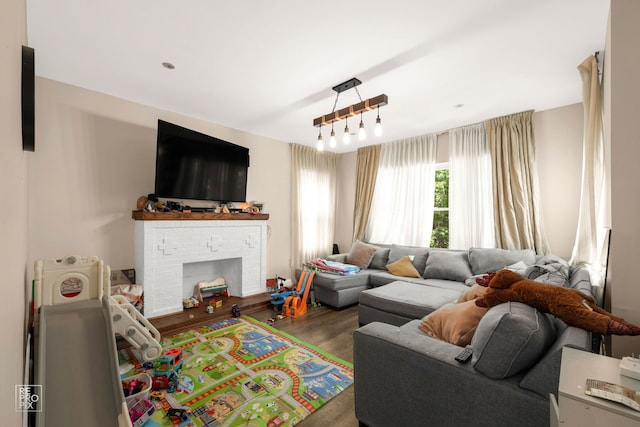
(442, 132)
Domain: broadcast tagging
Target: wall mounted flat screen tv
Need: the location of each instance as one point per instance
(192, 165)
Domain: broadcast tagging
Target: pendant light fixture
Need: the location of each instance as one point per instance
(320, 143)
(347, 137)
(352, 110)
(378, 128)
(332, 139)
(362, 134)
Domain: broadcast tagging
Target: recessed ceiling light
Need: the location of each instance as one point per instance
(168, 65)
(459, 105)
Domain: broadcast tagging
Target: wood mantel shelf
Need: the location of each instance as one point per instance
(177, 216)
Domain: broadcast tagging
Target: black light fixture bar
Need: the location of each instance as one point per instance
(349, 84)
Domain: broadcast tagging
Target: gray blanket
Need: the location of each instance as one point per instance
(550, 269)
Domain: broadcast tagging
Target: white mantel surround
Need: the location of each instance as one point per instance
(164, 246)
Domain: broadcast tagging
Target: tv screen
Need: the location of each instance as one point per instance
(192, 165)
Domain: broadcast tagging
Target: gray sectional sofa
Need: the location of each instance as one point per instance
(404, 377)
(451, 271)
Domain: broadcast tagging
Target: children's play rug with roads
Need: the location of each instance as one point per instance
(241, 372)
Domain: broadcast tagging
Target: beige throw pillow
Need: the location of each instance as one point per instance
(403, 267)
(454, 323)
(475, 291)
(361, 254)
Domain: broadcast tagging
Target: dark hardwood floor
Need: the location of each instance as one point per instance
(327, 328)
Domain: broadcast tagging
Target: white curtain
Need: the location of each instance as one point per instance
(470, 191)
(590, 234)
(313, 201)
(402, 206)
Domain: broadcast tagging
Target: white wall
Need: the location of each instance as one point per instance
(14, 165)
(96, 156)
(558, 134)
(622, 134)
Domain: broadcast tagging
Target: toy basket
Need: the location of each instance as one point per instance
(136, 387)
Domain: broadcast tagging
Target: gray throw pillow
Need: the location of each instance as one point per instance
(510, 338)
(417, 255)
(380, 259)
(485, 260)
(447, 265)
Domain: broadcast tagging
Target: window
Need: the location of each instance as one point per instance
(313, 190)
(440, 233)
(403, 196)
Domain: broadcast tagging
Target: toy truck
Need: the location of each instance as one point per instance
(169, 362)
(177, 412)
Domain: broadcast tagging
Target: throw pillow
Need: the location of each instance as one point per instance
(475, 291)
(417, 255)
(380, 258)
(361, 254)
(510, 338)
(453, 323)
(448, 265)
(403, 267)
(519, 267)
(484, 260)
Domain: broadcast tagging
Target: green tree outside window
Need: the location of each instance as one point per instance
(440, 233)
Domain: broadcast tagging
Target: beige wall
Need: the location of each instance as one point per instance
(622, 134)
(96, 156)
(14, 165)
(558, 134)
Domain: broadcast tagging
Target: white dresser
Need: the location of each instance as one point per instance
(575, 408)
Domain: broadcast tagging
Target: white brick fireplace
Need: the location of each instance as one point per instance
(173, 255)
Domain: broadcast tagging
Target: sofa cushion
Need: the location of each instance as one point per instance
(417, 255)
(337, 283)
(361, 254)
(448, 265)
(510, 337)
(381, 278)
(410, 300)
(403, 267)
(380, 258)
(484, 260)
(454, 323)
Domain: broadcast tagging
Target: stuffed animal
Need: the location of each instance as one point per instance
(569, 305)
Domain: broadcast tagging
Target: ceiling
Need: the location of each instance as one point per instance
(267, 67)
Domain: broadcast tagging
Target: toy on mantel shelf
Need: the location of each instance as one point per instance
(235, 310)
(192, 302)
(215, 287)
